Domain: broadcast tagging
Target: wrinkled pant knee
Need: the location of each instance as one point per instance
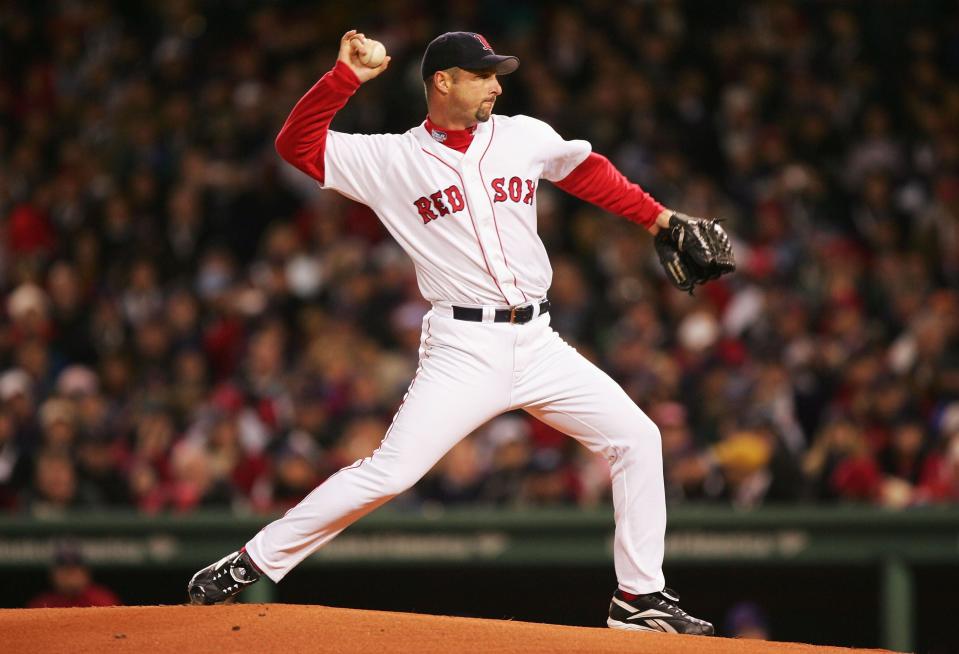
(381, 480)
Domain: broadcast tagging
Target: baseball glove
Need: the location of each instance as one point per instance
(694, 251)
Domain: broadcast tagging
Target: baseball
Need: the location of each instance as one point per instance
(371, 53)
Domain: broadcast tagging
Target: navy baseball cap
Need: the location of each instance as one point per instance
(464, 50)
(67, 553)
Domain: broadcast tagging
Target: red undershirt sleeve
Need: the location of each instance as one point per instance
(597, 181)
(302, 141)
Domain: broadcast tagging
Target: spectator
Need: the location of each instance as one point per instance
(550, 480)
(194, 481)
(14, 464)
(687, 468)
(58, 425)
(458, 478)
(902, 462)
(98, 468)
(507, 440)
(940, 475)
(756, 466)
(294, 477)
(748, 621)
(841, 466)
(72, 583)
(56, 488)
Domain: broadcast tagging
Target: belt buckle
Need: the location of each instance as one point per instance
(522, 314)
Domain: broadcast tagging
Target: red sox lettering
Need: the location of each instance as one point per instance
(425, 205)
(515, 189)
(450, 200)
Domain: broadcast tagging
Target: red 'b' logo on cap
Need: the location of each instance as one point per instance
(483, 41)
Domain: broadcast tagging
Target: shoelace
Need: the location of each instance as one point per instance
(670, 605)
(669, 599)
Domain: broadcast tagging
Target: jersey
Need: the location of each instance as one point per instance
(467, 220)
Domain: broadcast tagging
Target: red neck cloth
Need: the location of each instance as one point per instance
(458, 139)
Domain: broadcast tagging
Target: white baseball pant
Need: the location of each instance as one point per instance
(470, 372)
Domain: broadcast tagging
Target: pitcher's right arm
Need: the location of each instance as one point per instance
(303, 139)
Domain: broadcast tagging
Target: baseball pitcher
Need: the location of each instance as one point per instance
(458, 193)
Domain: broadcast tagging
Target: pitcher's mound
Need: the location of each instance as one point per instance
(285, 628)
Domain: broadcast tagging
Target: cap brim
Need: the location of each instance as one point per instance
(504, 65)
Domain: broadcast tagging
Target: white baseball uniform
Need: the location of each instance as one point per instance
(468, 221)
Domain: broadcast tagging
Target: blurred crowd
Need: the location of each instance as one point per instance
(187, 322)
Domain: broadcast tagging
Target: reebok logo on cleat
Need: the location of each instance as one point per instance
(661, 625)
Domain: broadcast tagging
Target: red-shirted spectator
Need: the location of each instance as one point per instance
(72, 583)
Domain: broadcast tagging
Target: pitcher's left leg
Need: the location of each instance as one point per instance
(567, 392)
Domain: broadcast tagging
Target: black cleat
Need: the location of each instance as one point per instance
(655, 612)
(223, 580)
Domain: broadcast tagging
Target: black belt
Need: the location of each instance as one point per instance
(518, 315)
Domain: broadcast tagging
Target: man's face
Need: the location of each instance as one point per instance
(70, 579)
(473, 93)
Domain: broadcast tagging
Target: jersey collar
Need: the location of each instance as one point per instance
(473, 153)
(457, 139)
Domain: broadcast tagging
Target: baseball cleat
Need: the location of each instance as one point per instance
(654, 612)
(223, 580)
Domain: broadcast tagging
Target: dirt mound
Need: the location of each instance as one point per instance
(293, 628)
